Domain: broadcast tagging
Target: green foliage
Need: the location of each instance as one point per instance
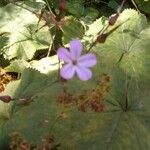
(3, 61)
(110, 129)
(91, 14)
(109, 112)
(129, 45)
(17, 66)
(45, 65)
(3, 40)
(72, 28)
(34, 5)
(75, 7)
(144, 5)
(94, 29)
(24, 40)
(113, 4)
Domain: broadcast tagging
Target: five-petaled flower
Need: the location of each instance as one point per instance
(75, 63)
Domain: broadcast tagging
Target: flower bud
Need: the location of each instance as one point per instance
(6, 98)
(113, 18)
(102, 38)
(62, 5)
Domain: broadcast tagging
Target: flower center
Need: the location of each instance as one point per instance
(74, 62)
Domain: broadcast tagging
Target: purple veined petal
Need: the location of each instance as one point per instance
(64, 54)
(76, 48)
(67, 71)
(83, 73)
(87, 60)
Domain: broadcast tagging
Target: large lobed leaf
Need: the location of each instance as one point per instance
(128, 46)
(22, 24)
(118, 126)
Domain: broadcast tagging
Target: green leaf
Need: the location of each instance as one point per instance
(71, 29)
(144, 5)
(122, 124)
(90, 14)
(75, 7)
(94, 29)
(113, 4)
(3, 41)
(5, 108)
(3, 61)
(17, 65)
(24, 40)
(2, 3)
(34, 5)
(6, 112)
(46, 65)
(128, 46)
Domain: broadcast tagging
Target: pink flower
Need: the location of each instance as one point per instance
(75, 63)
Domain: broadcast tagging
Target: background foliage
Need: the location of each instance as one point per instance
(40, 110)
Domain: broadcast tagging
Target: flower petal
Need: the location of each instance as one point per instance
(64, 54)
(67, 71)
(83, 73)
(76, 48)
(87, 60)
